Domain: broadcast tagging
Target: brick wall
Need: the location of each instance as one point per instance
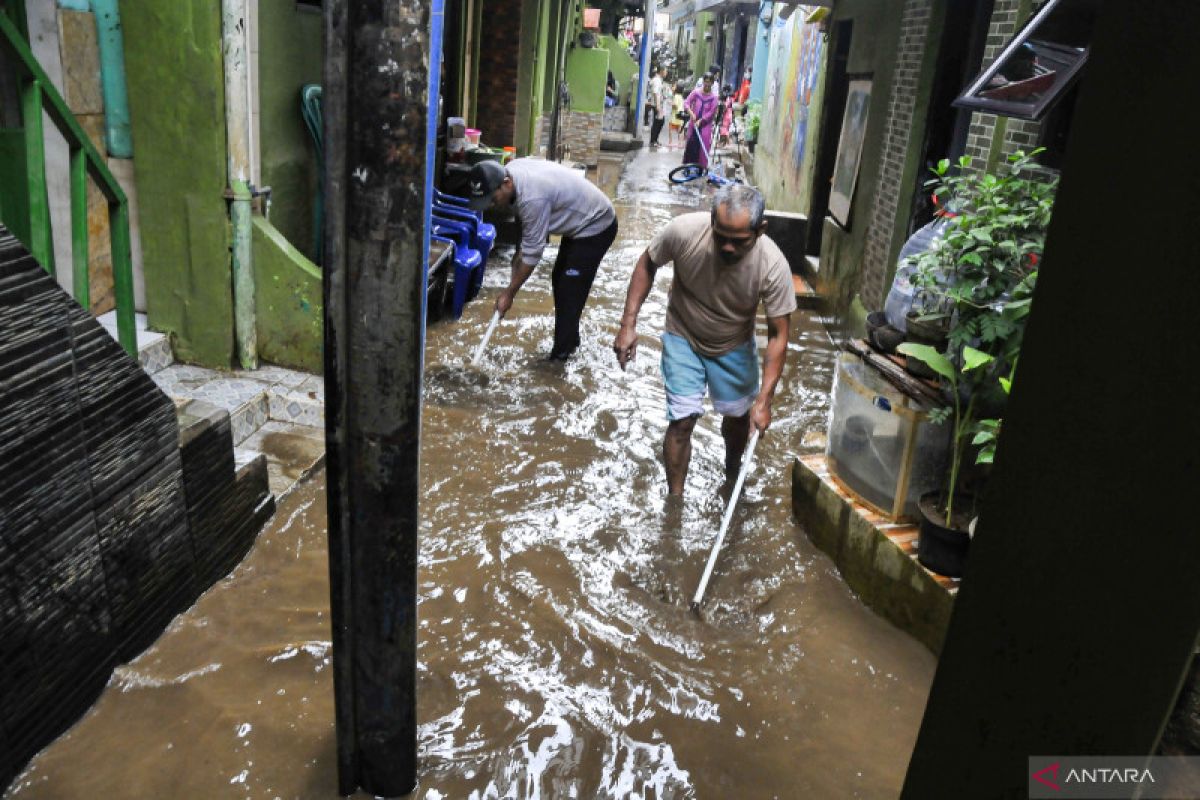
(1018, 134)
(914, 27)
(499, 57)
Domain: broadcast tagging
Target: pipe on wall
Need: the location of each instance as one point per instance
(118, 132)
(235, 22)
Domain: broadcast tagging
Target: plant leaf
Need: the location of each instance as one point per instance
(972, 358)
(932, 358)
(1006, 385)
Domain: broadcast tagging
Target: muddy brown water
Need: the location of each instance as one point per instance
(558, 657)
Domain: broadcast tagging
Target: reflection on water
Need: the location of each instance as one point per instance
(558, 657)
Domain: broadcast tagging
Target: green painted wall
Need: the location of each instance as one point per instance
(699, 56)
(289, 45)
(624, 68)
(287, 301)
(177, 101)
(587, 71)
(529, 72)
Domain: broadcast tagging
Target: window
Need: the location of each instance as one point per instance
(1037, 68)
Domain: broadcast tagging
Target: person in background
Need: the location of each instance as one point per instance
(654, 105)
(550, 199)
(725, 267)
(743, 93)
(610, 90)
(678, 115)
(701, 106)
(726, 112)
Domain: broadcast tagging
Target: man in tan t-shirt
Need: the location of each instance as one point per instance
(724, 267)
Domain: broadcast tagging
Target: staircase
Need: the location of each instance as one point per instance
(274, 412)
(118, 506)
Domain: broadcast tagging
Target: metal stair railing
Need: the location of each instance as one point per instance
(37, 95)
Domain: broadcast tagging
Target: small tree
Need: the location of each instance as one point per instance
(980, 279)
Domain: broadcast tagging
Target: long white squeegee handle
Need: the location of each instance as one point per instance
(733, 498)
(491, 327)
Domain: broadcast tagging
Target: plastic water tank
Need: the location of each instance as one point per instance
(900, 297)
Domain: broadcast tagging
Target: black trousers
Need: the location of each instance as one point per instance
(574, 271)
(656, 128)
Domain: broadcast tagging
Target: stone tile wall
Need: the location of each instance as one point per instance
(581, 136)
(1016, 134)
(914, 28)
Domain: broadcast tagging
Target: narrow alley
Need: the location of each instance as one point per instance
(557, 655)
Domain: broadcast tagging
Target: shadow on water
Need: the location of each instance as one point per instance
(558, 657)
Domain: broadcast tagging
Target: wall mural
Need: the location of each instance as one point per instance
(794, 67)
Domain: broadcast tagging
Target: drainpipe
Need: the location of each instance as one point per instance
(118, 137)
(639, 108)
(234, 23)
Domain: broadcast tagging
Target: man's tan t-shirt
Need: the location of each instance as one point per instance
(713, 304)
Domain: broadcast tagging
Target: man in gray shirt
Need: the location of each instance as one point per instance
(550, 199)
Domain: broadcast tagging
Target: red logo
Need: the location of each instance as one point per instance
(1040, 777)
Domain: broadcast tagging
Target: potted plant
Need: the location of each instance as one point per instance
(978, 281)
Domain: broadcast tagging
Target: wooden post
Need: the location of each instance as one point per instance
(376, 93)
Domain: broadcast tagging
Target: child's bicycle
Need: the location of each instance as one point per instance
(715, 172)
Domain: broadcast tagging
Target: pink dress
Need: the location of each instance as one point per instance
(703, 108)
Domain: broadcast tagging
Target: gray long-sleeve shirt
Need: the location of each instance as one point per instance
(553, 199)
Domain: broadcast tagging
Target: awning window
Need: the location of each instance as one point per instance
(1037, 68)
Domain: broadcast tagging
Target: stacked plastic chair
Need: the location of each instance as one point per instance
(483, 235)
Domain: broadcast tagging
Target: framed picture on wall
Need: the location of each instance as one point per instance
(849, 152)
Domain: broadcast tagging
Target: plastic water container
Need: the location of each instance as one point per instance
(900, 296)
(473, 135)
(881, 445)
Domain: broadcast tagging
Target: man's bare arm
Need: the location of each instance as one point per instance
(640, 284)
(778, 329)
(520, 273)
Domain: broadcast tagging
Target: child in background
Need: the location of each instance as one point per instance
(727, 116)
(675, 129)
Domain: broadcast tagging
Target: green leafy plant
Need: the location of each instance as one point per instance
(963, 415)
(979, 280)
(752, 119)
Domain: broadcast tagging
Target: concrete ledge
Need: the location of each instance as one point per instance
(877, 559)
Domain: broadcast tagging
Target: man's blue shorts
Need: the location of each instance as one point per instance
(732, 378)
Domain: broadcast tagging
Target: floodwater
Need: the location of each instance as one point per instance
(558, 657)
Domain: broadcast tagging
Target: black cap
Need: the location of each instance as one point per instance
(484, 179)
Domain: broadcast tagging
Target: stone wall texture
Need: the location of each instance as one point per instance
(581, 136)
(914, 29)
(499, 64)
(1017, 134)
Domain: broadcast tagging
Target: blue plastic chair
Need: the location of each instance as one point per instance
(467, 260)
(483, 238)
(454, 200)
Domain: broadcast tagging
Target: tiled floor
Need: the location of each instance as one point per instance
(291, 450)
(272, 410)
(251, 397)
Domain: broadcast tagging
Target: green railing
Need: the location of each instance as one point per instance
(37, 95)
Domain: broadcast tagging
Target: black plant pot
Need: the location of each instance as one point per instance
(881, 335)
(939, 548)
(932, 333)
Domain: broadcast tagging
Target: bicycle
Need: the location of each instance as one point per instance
(715, 172)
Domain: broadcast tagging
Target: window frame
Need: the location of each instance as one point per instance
(970, 97)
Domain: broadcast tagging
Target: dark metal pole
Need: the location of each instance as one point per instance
(377, 184)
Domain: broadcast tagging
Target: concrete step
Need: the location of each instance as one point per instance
(154, 349)
(274, 412)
